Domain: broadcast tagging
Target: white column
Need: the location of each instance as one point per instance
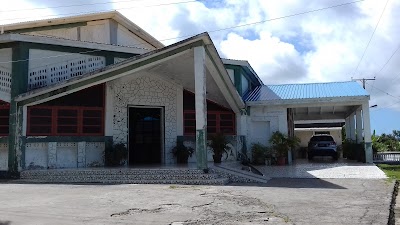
(201, 107)
(347, 127)
(367, 133)
(359, 130)
(352, 127)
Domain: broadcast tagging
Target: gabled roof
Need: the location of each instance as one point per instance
(245, 64)
(9, 28)
(306, 91)
(135, 64)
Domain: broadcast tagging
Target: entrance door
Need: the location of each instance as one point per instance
(144, 135)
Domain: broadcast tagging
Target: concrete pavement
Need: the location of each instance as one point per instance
(280, 201)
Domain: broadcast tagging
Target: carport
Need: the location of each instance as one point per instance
(313, 105)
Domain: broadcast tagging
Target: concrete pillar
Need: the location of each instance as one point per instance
(367, 133)
(81, 154)
(52, 155)
(352, 127)
(359, 130)
(201, 107)
(347, 127)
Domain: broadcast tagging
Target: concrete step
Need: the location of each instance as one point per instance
(77, 172)
(127, 177)
(123, 176)
(217, 181)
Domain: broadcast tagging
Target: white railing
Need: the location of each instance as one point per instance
(387, 157)
(55, 73)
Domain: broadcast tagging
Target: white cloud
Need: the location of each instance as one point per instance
(320, 46)
(273, 59)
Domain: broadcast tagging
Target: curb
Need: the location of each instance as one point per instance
(392, 216)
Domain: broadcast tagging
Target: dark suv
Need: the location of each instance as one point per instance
(322, 145)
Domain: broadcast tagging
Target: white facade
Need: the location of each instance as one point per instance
(263, 121)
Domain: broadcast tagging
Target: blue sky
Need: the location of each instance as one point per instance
(358, 40)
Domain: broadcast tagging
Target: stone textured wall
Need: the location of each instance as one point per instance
(3, 156)
(94, 152)
(54, 155)
(38, 155)
(147, 90)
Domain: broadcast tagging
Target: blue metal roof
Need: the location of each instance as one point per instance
(306, 91)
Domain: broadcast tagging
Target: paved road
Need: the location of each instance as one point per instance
(280, 201)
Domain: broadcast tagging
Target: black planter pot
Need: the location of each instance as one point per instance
(217, 158)
(182, 159)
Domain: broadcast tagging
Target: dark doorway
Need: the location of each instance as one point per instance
(144, 135)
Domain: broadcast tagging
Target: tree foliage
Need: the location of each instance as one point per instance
(386, 142)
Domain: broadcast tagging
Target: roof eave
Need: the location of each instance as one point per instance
(6, 38)
(347, 100)
(87, 17)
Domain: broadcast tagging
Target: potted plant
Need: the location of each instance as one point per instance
(258, 152)
(115, 154)
(281, 144)
(182, 153)
(219, 146)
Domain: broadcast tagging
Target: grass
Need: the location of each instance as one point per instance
(391, 171)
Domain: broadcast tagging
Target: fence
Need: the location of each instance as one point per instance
(387, 157)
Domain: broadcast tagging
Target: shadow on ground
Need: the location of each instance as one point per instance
(294, 183)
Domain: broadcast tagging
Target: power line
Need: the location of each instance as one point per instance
(269, 20)
(372, 35)
(398, 47)
(92, 12)
(388, 106)
(386, 92)
(67, 6)
(364, 80)
(242, 25)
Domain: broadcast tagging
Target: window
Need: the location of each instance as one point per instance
(65, 121)
(216, 122)
(231, 74)
(245, 85)
(4, 119)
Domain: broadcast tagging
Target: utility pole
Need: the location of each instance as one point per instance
(364, 80)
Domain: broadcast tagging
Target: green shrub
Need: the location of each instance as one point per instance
(258, 152)
(115, 154)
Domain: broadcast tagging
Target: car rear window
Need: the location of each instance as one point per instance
(321, 138)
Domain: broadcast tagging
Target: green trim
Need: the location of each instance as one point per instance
(20, 68)
(67, 139)
(238, 81)
(53, 27)
(8, 45)
(253, 81)
(22, 147)
(201, 149)
(18, 85)
(4, 140)
(223, 80)
(109, 60)
(109, 74)
(86, 51)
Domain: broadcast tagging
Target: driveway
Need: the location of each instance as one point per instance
(320, 167)
(280, 201)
